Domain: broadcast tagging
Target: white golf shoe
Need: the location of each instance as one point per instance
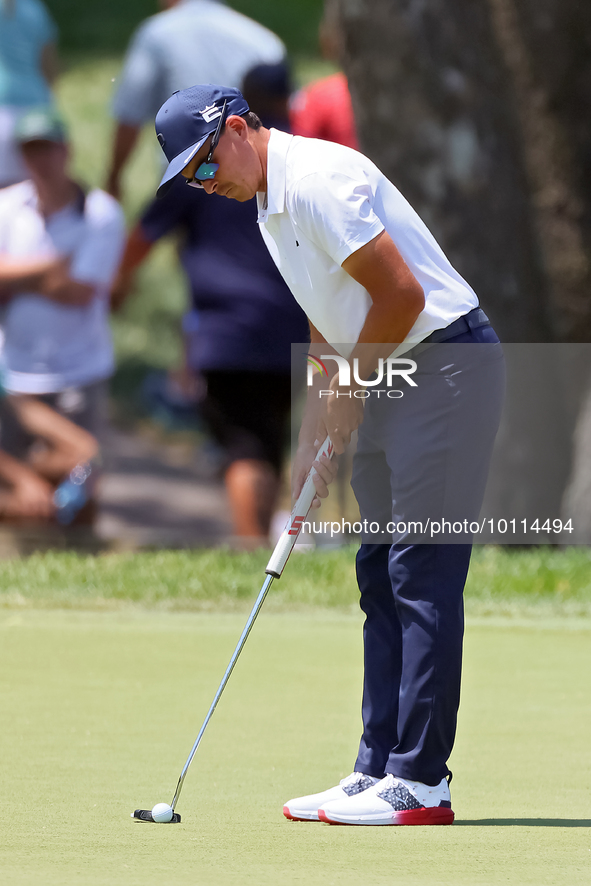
(306, 808)
(392, 801)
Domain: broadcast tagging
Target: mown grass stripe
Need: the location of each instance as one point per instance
(501, 582)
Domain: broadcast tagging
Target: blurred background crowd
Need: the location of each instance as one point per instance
(146, 346)
(203, 344)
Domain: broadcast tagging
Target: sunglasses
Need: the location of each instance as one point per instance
(207, 170)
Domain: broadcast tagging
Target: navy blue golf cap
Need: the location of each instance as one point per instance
(187, 119)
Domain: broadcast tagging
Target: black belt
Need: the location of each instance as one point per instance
(472, 320)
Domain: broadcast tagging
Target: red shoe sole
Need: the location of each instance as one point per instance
(428, 815)
(291, 817)
(425, 815)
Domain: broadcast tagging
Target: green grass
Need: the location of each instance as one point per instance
(541, 582)
(100, 712)
(99, 26)
(174, 580)
(545, 580)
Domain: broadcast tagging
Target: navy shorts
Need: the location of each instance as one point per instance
(248, 414)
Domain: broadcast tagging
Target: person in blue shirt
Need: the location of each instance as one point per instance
(28, 67)
(243, 321)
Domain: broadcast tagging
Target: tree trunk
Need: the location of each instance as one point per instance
(538, 43)
(436, 112)
(479, 113)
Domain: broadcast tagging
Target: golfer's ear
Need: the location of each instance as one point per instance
(237, 124)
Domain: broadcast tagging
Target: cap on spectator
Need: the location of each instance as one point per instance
(40, 124)
(187, 119)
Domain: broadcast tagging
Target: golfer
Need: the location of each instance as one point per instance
(379, 294)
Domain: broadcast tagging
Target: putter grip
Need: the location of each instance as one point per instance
(289, 536)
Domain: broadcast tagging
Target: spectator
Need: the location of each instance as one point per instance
(191, 41)
(269, 88)
(241, 326)
(28, 67)
(27, 485)
(323, 109)
(59, 250)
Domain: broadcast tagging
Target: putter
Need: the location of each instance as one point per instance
(274, 569)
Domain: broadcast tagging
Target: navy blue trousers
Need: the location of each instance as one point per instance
(424, 455)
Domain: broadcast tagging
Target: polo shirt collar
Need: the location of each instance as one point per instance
(273, 201)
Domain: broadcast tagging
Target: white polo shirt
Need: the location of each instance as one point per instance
(324, 202)
(49, 346)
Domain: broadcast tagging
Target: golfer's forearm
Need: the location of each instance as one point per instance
(309, 427)
(384, 329)
(396, 295)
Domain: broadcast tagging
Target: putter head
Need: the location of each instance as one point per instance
(146, 815)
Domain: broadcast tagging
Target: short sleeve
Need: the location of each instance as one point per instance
(138, 83)
(97, 257)
(336, 213)
(22, 229)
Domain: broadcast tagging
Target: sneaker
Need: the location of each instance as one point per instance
(392, 801)
(306, 808)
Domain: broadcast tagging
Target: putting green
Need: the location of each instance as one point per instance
(100, 712)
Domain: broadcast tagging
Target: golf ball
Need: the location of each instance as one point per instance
(162, 812)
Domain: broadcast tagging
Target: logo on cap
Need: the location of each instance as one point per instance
(161, 139)
(211, 112)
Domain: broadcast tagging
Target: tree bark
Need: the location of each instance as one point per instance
(436, 112)
(538, 44)
(479, 113)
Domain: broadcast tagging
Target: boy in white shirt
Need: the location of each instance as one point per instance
(59, 252)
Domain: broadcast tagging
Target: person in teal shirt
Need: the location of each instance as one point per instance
(28, 66)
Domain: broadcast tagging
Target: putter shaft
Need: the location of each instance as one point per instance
(240, 645)
(274, 569)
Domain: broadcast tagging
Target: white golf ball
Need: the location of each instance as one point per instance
(162, 812)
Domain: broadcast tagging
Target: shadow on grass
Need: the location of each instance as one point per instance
(526, 822)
